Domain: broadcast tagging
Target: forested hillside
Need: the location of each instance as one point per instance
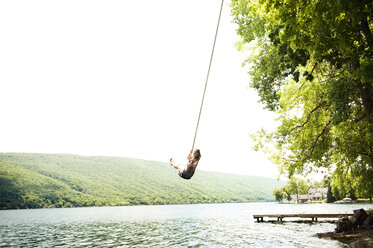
(61, 180)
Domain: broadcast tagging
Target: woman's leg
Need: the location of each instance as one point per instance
(173, 165)
(179, 168)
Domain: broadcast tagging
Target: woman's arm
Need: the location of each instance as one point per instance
(192, 162)
(190, 156)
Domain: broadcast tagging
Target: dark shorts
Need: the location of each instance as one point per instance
(188, 172)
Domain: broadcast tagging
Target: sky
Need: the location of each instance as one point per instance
(126, 78)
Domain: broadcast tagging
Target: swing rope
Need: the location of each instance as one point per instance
(208, 73)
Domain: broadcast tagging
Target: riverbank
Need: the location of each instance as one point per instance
(355, 231)
(359, 238)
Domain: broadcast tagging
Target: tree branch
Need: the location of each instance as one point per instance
(317, 139)
(314, 66)
(358, 119)
(308, 117)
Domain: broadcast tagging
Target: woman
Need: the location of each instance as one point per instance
(193, 159)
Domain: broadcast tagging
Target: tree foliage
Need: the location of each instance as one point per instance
(295, 186)
(329, 195)
(279, 194)
(312, 63)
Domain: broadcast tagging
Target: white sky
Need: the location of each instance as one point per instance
(125, 78)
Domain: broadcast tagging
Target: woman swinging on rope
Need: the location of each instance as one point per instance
(195, 154)
(193, 159)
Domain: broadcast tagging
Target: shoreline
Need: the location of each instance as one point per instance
(191, 203)
(358, 238)
(137, 205)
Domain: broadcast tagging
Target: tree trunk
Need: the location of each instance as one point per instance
(358, 218)
(364, 26)
(367, 97)
(367, 94)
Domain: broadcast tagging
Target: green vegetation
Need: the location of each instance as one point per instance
(312, 63)
(47, 180)
(324, 201)
(361, 200)
(295, 186)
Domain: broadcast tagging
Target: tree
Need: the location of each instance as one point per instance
(329, 195)
(279, 194)
(297, 186)
(352, 194)
(316, 184)
(312, 63)
(287, 192)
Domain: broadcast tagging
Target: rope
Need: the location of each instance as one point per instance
(208, 73)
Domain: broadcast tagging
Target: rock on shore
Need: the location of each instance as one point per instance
(356, 231)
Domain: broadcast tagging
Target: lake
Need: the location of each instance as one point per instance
(197, 225)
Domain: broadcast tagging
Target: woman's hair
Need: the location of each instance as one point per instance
(197, 153)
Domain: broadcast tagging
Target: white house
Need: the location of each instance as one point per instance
(301, 198)
(314, 194)
(317, 194)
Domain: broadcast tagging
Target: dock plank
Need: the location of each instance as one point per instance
(314, 217)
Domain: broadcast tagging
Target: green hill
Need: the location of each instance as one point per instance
(62, 180)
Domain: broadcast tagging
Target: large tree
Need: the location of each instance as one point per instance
(311, 61)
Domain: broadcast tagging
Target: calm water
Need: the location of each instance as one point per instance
(210, 225)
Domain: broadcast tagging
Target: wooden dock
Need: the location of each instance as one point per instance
(313, 217)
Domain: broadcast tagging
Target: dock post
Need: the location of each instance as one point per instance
(259, 219)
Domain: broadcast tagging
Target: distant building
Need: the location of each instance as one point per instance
(317, 194)
(301, 199)
(314, 194)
